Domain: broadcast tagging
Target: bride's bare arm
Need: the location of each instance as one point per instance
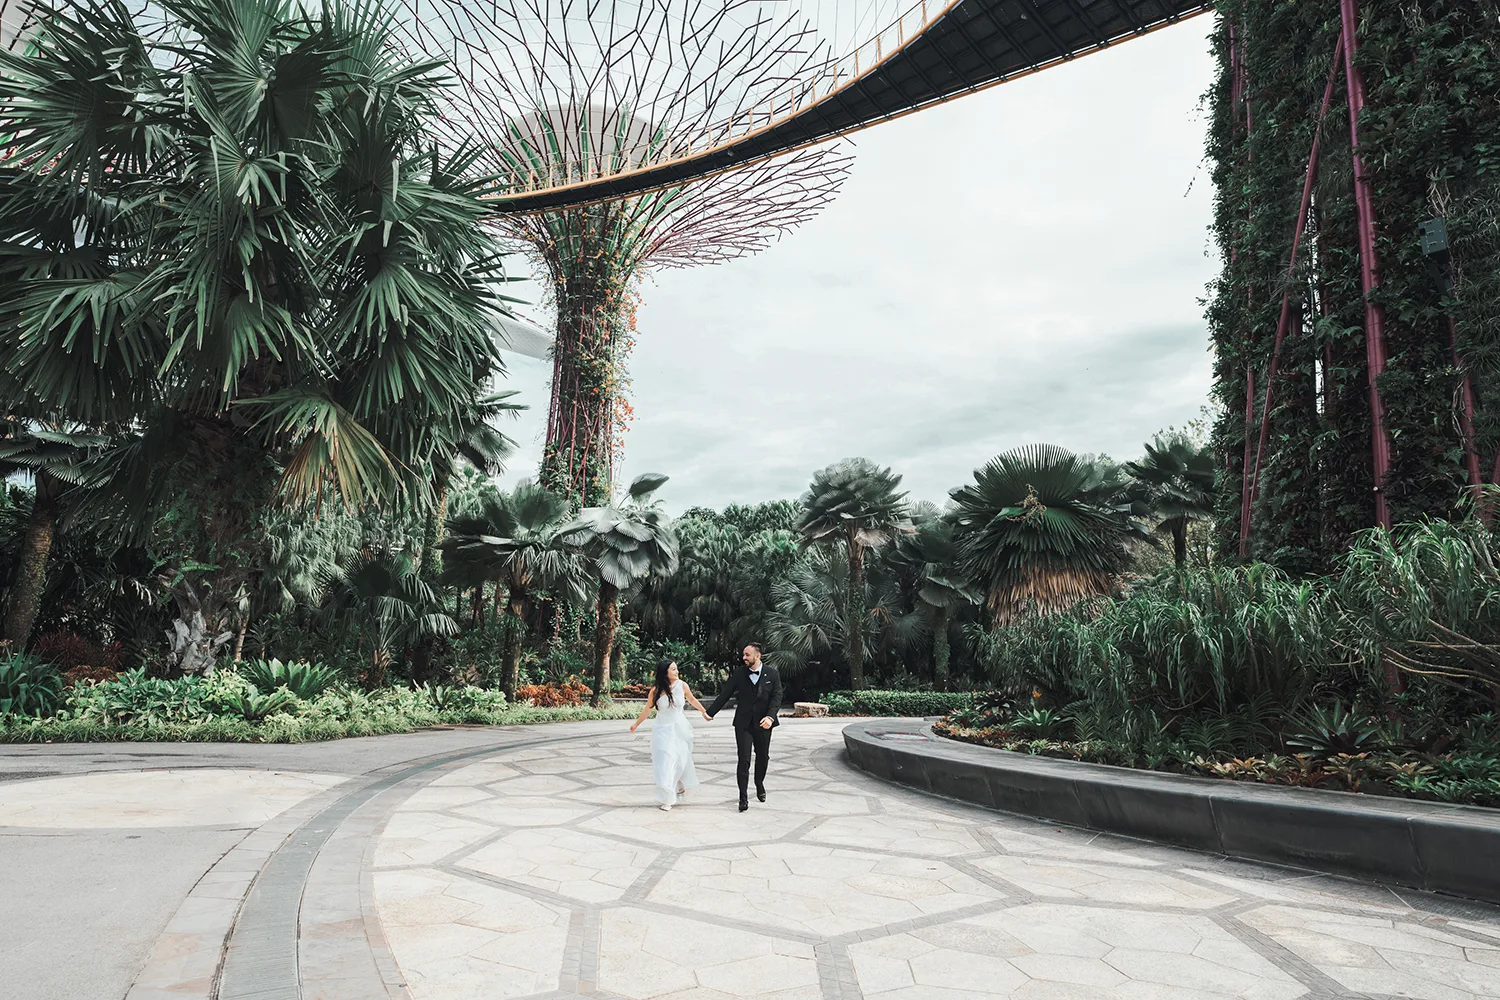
(650, 700)
(692, 699)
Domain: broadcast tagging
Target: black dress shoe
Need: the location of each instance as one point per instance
(744, 805)
(760, 793)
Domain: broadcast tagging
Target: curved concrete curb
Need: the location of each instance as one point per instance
(1426, 845)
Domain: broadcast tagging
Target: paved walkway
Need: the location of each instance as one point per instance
(531, 863)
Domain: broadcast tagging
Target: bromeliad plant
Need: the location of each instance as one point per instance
(303, 680)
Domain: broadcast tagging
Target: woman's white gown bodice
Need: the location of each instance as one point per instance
(672, 747)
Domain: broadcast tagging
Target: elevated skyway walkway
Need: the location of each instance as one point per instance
(933, 53)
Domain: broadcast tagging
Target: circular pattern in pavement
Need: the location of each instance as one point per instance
(548, 872)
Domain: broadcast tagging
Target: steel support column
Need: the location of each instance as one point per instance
(1369, 269)
(1286, 294)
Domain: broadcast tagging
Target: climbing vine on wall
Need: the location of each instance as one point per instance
(1430, 134)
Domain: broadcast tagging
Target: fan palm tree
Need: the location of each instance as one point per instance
(624, 546)
(1041, 528)
(385, 601)
(57, 459)
(512, 539)
(854, 502)
(224, 223)
(1176, 478)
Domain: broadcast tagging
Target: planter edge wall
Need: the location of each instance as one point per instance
(1423, 845)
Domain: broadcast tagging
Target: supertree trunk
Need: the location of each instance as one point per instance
(590, 281)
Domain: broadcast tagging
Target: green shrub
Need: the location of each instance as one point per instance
(1041, 723)
(28, 686)
(896, 703)
(327, 719)
(304, 680)
(253, 706)
(135, 698)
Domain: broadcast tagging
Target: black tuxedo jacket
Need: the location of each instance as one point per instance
(753, 702)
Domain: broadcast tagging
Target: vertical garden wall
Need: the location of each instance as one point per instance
(1429, 135)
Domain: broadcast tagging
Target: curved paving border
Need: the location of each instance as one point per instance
(1434, 846)
(240, 932)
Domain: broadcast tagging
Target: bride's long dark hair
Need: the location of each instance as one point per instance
(663, 683)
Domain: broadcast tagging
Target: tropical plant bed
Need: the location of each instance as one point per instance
(1471, 778)
(265, 702)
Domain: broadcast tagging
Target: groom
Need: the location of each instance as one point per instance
(757, 693)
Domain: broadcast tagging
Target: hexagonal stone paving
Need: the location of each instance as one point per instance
(817, 890)
(570, 863)
(647, 955)
(525, 876)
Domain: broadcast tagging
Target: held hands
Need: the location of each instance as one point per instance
(706, 716)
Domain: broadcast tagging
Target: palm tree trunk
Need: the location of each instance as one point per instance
(432, 534)
(1179, 541)
(514, 627)
(940, 649)
(31, 568)
(854, 615)
(239, 639)
(607, 624)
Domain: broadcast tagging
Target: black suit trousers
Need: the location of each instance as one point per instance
(747, 738)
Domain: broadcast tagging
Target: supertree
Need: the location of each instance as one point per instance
(552, 90)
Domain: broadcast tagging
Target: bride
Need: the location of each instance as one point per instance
(671, 735)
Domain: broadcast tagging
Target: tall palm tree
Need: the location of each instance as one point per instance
(624, 545)
(472, 437)
(1041, 528)
(512, 539)
(1176, 478)
(854, 502)
(57, 458)
(932, 558)
(224, 224)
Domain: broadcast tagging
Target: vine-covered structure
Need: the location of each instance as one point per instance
(1357, 373)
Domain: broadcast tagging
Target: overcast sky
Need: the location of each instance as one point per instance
(1022, 265)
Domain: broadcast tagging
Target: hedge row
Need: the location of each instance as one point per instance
(896, 703)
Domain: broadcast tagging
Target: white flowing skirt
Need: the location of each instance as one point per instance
(672, 758)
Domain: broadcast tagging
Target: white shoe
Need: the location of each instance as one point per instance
(665, 807)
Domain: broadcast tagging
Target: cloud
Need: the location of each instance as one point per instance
(1021, 265)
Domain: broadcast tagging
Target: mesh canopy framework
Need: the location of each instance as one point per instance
(560, 91)
(932, 53)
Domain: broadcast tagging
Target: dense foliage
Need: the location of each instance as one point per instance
(1431, 139)
(1243, 672)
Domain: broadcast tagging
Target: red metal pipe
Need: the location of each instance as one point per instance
(1466, 417)
(1245, 462)
(1286, 293)
(1375, 351)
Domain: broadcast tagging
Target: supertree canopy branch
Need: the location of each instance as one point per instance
(561, 90)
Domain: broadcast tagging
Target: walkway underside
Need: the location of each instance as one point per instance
(967, 46)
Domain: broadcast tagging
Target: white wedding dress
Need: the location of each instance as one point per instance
(672, 748)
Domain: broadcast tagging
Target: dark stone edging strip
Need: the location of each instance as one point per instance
(1424, 845)
(261, 952)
